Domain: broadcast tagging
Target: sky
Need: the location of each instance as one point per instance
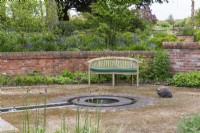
(179, 9)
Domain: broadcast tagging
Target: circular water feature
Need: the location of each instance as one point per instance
(105, 102)
(102, 101)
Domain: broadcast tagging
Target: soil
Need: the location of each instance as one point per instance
(163, 116)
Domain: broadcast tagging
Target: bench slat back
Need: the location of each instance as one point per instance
(114, 62)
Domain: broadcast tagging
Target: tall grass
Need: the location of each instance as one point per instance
(85, 126)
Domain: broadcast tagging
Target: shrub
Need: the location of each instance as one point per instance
(66, 73)
(161, 66)
(154, 69)
(146, 70)
(64, 28)
(61, 80)
(5, 80)
(82, 75)
(29, 80)
(187, 31)
(197, 35)
(190, 79)
(190, 125)
(160, 37)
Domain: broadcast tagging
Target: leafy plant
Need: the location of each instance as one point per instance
(146, 69)
(5, 80)
(190, 124)
(189, 79)
(197, 35)
(161, 66)
(61, 80)
(159, 37)
(186, 31)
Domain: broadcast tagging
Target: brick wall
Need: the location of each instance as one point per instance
(186, 38)
(183, 56)
(51, 63)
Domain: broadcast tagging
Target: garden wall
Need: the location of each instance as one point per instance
(51, 63)
(184, 56)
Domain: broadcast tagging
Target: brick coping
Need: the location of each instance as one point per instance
(181, 45)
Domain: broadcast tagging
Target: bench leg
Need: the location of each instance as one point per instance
(113, 79)
(89, 78)
(132, 80)
(137, 79)
(98, 78)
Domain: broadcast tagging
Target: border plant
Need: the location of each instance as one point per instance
(190, 124)
(189, 79)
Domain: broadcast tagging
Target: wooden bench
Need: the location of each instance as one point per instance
(113, 65)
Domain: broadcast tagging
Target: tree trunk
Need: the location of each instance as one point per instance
(192, 14)
(51, 13)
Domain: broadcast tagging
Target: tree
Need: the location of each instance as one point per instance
(170, 20)
(146, 14)
(143, 3)
(192, 13)
(113, 17)
(84, 5)
(51, 13)
(197, 17)
(65, 5)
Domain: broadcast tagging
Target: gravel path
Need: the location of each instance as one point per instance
(162, 116)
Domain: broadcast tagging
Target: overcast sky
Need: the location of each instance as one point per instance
(178, 8)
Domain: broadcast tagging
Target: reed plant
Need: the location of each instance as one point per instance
(86, 126)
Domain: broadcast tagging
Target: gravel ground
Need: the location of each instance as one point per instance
(161, 116)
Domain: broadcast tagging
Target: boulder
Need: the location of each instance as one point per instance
(164, 92)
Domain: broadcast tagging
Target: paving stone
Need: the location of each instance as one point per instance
(6, 127)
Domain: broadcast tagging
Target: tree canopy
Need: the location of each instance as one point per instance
(84, 5)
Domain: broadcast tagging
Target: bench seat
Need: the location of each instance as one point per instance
(113, 69)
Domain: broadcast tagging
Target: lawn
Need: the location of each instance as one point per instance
(162, 116)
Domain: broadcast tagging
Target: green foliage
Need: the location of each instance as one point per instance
(5, 80)
(154, 69)
(197, 17)
(161, 66)
(65, 28)
(61, 80)
(180, 23)
(189, 79)
(146, 70)
(112, 18)
(163, 24)
(32, 80)
(82, 75)
(190, 125)
(66, 73)
(24, 16)
(159, 37)
(9, 41)
(186, 31)
(130, 41)
(197, 35)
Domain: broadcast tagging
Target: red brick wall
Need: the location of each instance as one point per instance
(186, 38)
(51, 63)
(183, 56)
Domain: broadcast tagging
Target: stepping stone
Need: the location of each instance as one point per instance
(6, 127)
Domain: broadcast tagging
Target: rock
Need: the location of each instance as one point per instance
(164, 92)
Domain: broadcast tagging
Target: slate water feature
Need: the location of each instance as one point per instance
(89, 101)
